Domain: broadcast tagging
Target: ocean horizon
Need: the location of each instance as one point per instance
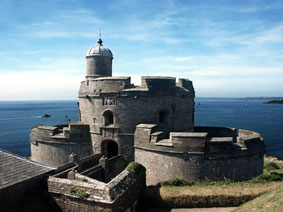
(18, 117)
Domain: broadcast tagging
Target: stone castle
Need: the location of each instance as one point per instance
(152, 124)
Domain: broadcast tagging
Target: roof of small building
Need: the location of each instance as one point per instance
(15, 169)
(99, 50)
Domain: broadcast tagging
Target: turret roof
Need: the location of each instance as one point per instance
(99, 50)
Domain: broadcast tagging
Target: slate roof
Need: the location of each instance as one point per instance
(15, 169)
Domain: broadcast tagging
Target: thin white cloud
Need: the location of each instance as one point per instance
(274, 34)
(66, 24)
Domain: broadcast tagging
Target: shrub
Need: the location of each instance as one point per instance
(84, 180)
(137, 170)
(82, 194)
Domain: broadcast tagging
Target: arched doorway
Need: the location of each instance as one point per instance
(109, 148)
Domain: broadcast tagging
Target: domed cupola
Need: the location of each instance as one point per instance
(99, 50)
(99, 61)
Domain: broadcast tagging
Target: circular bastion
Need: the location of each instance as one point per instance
(206, 153)
(52, 145)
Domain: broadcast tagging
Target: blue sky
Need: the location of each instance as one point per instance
(228, 48)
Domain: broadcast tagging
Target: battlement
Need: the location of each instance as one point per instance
(219, 141)
(150, 85)
(159, 84)
(52, 145)
(206, 153)
(73, 132)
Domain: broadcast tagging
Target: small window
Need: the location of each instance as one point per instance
(108, 118)
(162, 117)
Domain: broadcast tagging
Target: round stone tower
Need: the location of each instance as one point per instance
(99, 61)
(113, 106)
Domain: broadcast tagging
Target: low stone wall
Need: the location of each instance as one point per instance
(86, 194)
(116, 165)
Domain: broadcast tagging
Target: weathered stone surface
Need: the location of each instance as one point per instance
(53, 145)
(86, 194)
(196, 156)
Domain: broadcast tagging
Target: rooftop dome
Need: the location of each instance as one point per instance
(99, 50)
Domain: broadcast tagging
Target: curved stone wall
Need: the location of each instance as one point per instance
(97, 66)
(53, 145)
(196, 156)
(161, 166)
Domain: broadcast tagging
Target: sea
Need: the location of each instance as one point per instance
(18, 117)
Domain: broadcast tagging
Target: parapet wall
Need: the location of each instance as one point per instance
(197, 155)
(86, 194)
(150, 86)
(53, 145)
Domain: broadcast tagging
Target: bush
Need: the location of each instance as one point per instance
(82, 194)
(177, 181)
(84, 180)
(138, 170)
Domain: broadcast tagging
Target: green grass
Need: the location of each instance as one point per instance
(268, 202)
(180, 192)
(272, 172)
(271, 166)
(177, 181)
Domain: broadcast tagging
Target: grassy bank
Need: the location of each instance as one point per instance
(269, 202)
(214, 193)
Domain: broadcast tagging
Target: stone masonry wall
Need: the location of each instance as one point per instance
(119, 195)
(131, 106)
(50, 147)
(161, 166)
(98, 66)
(196, 156)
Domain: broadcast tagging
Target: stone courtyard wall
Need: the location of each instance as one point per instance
(86, 194)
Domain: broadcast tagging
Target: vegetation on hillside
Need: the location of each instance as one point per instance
(269, 202)
(179, 192)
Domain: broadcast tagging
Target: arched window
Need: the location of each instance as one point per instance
(108, 118)
(162, 117)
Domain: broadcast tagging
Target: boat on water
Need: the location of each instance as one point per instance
(45, 116)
